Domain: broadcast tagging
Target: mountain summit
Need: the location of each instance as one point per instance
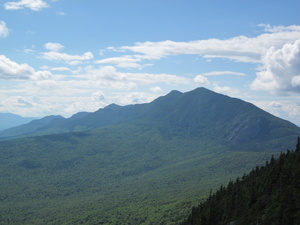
(199, 113)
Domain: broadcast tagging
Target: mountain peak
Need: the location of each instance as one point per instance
(199, 113)
(113, 106)
(174, 92)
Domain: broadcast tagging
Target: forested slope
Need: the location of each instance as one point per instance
(125, 174)
(268, 195)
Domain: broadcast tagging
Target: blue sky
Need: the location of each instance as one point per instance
(62, 56)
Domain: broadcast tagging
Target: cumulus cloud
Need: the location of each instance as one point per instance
(13, 70)
(201, 80)
(281, 69)
(3, 29)
(98, 96)
(35, 5)
(53, 46)
(156, 89)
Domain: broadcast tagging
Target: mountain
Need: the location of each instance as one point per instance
(267, 195)
(32, 127)
(201, 112)
(136, 164)
(8, 120)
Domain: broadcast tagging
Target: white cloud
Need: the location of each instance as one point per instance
(53, 46)
(135, 98)
(276, 29)
(3, 29)
(284, 108)
(111, 74)
(61, 69)
(227, 90)
(98, 96)
(148, 78)
(240, 48)
(29, 106)
(123, 62)
(41, 75)
(201, 80)
(35, 5)
(281, 70)
(22, 102)
(13, 70)
(126, 61)
(296, 81)
(70, 59)
(216, 73)
(106, 73)
(28, 51)
(156, 89)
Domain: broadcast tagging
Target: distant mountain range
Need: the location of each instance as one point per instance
(9, 120)
(201, 112)
(136, 164)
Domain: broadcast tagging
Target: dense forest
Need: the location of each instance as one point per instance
(268, 195)
(143, 164)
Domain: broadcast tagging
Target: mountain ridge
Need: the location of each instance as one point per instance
(200, 112)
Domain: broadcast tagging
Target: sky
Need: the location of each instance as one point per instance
(60, 57)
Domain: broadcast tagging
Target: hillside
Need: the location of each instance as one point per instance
(267, 195)
(142, 164)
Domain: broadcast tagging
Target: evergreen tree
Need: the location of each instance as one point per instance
(268, 195)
